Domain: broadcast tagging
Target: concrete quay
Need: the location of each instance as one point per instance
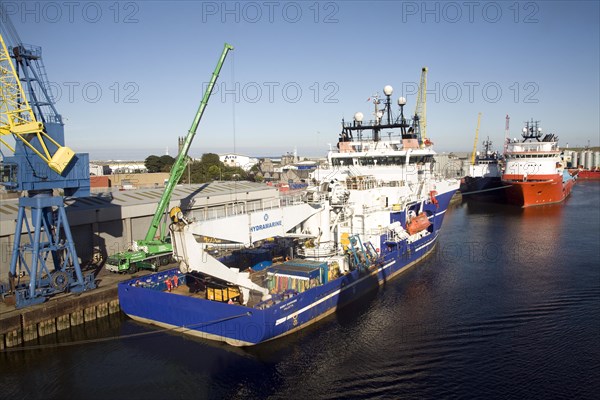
(61, 312)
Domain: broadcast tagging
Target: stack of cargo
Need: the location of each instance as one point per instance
(297, 275)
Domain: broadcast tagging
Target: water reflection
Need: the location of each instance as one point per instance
(506, 307)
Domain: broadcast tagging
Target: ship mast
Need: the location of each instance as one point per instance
(377, 125)
(532, 130)
(506, 133)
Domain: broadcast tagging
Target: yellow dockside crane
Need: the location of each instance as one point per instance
(18, 120)
(476, 139)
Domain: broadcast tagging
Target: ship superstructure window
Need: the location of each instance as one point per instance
(532, 155)
(370, 161)
(338, 161)
(421, 159)
(381, 160)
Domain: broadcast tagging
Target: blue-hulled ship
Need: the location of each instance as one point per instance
(275, 263)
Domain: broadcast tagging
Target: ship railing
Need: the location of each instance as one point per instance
(391, 236)
(372, 209)
(291, 199)
(353, 171)
(379, 231)
(322, 250)
(362, 182)
(398, 183)
(269, 204)
(536, 147)
(374, 122)
(412, 198)
(230, 210)
(416, 190)
(315, 198)
(553, 151)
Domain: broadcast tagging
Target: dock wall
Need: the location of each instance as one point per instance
(20, 326)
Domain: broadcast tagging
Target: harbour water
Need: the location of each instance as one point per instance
(507, 306)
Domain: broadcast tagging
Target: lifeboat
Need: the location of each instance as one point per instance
(418, 223)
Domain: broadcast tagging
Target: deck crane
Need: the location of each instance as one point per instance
(40, 165)
(476, 139)
(158, 250)
(421, 106)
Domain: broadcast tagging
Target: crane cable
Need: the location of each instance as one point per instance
(112, 338)
(234, 99)
(234, 188)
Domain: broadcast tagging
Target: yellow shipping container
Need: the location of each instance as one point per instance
(222, 294)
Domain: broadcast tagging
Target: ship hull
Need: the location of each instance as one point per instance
(482, 188)
(535, 192)
(586, 174)
(245, 326)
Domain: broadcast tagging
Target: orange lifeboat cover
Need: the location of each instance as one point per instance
(418, 223)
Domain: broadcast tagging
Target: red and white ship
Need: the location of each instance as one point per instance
(535, 170)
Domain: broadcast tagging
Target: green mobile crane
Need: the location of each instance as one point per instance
(154, 251)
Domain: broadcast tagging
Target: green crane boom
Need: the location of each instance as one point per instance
(152, 252)
(178, 167)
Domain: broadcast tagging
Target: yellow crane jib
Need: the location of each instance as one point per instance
(17, 119)
(476, 139)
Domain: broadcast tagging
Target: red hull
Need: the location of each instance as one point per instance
(537, 192)
(588, 174)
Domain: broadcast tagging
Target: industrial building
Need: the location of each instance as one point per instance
(108, 222)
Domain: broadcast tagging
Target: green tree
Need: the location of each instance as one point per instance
(197, 173)
(211, 159)
(153, 163)
(159, 164)
(234, 174)
(210, 168)
(167, 162)
(215, 172)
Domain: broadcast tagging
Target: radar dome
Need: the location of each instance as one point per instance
(388, 90)
(358, 117)
(401, 101)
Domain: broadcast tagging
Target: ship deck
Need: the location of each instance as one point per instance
(201, 291)
(213, 291)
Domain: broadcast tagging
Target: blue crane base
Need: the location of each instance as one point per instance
(48, 258)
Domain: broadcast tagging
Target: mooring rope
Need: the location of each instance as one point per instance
(111, 338)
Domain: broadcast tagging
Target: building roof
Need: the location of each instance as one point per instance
(108, 206)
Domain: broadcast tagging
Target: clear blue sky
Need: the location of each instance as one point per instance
(150, 59)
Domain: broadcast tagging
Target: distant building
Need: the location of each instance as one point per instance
(100, 169)
(451, 165)
(96, 169)
(238, 160)
(138, 181)
(266, 165)
(289, 158)
(99, 182)
(127, 168)
(306, 165)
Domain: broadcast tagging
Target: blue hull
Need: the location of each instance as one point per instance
(244, 326)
